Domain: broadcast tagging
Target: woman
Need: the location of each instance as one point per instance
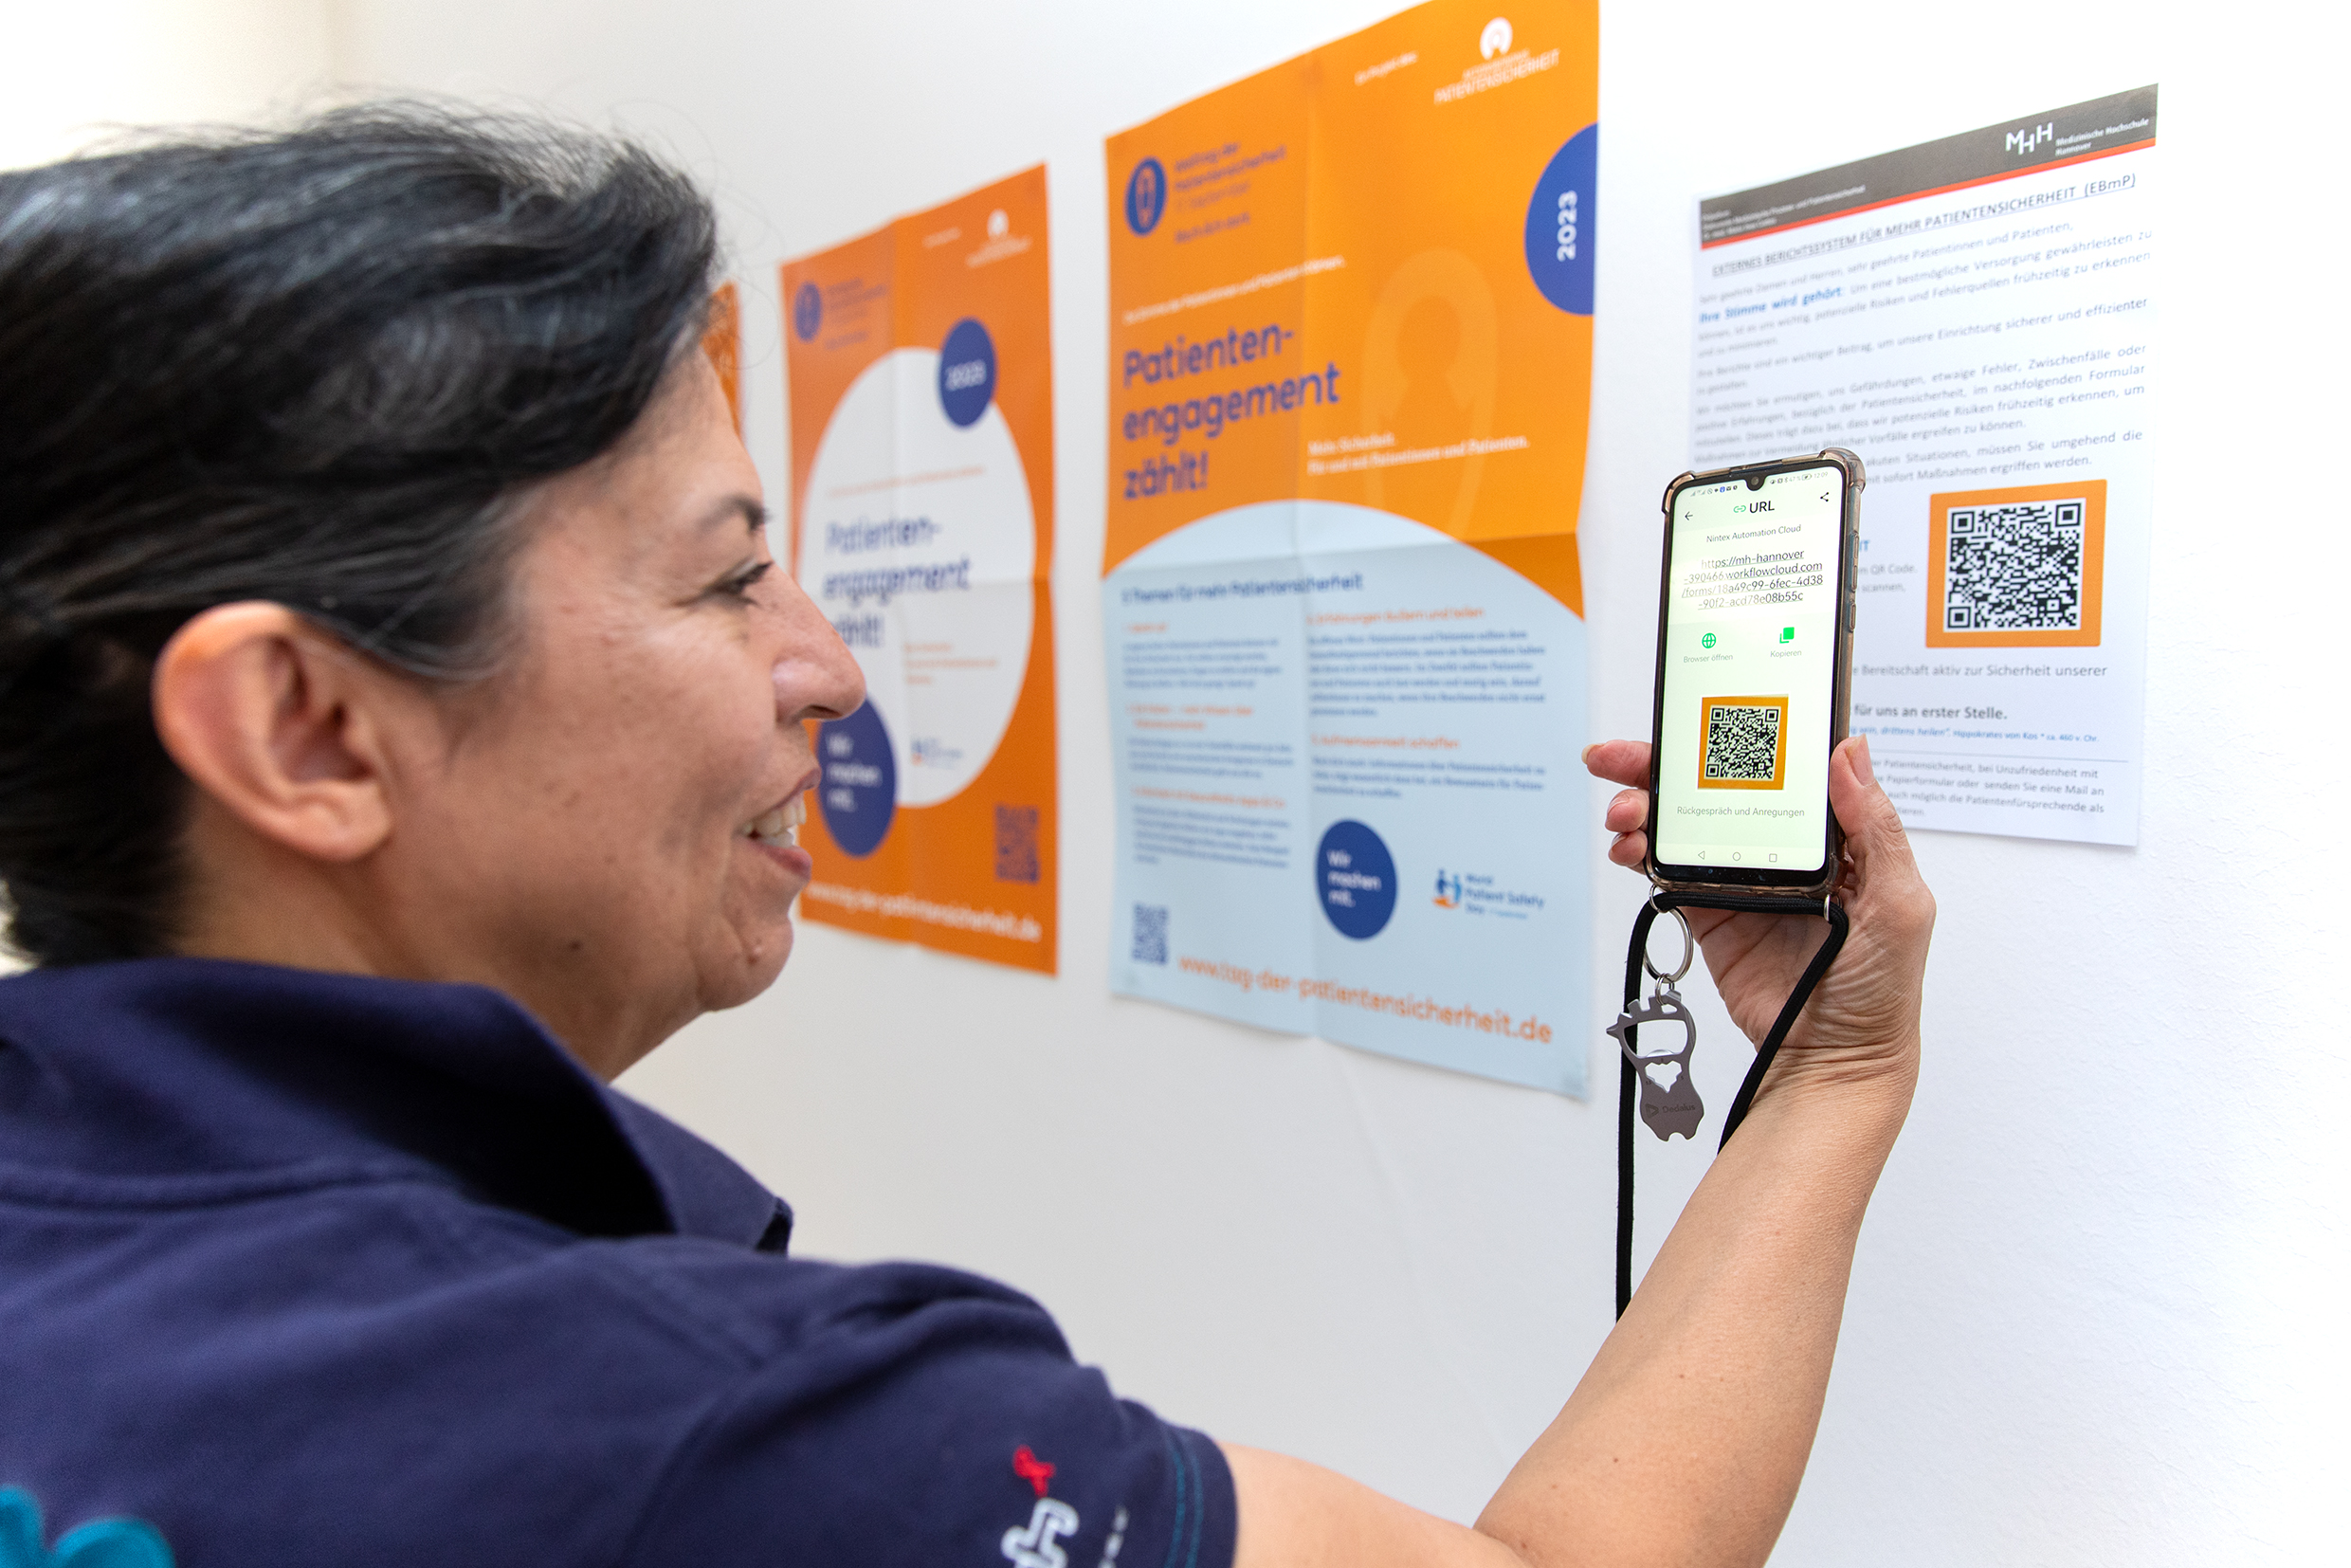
(402, 733)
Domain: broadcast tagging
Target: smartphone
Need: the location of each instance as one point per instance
(1755, 665)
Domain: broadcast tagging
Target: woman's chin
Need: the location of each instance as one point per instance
(755, 962)
(767, 966)
(769, 877)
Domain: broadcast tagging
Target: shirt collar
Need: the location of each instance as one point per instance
(167, 1068)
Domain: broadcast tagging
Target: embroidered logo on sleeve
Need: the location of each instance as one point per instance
(1030, 1469)
(1034, 1544)
(101, 1544)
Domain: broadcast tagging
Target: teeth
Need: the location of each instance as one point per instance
(782, 823)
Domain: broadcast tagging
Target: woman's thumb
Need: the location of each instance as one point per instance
(1873, 829)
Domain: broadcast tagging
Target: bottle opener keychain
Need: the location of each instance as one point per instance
(1670, 1101)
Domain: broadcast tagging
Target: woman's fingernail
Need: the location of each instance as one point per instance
(1588, 751)
(1861, 762)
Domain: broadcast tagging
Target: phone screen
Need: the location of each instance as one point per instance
(1747, 683)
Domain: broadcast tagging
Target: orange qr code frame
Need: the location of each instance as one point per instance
(2091, 492)
(1780, 755)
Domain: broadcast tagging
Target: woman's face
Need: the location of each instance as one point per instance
(607, 831)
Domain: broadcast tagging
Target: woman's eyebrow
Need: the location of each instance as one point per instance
(749, 510)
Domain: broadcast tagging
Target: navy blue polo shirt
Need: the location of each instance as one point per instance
(309, 1268)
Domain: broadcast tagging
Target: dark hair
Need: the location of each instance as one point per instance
(312, 366)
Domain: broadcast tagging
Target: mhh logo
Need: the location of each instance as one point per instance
(2031, 138)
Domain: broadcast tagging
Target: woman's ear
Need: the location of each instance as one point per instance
(282, 726)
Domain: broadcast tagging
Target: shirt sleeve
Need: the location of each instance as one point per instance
(930, 1419)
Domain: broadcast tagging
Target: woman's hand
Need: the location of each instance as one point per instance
(1864, 1020)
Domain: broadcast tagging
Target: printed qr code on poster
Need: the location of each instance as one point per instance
(1150, 933)
(1743, 743)
(2016, 568)
(1016, 844)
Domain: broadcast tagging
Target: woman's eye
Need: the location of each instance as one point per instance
(740, 585)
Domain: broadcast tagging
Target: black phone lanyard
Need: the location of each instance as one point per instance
(1669, 1101)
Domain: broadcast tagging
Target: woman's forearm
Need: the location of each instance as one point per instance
(1685, 1439)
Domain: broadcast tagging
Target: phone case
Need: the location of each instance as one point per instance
(1841, 695)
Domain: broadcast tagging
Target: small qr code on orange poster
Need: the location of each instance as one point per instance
(1016, 844)
(1742, 743)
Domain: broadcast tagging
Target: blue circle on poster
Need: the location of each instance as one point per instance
(1560, 222)
(808, 312)
(858, 793)
(1355, 879)
(967, 373)
(1146, 196)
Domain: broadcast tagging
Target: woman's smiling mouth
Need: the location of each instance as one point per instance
(779, 825)
(776, 831)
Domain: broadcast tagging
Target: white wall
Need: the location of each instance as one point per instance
(2094, 1315)
(73, 72)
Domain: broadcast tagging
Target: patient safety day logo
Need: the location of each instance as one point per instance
(1481, 893)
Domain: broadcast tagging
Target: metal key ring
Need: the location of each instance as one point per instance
(1689, 950)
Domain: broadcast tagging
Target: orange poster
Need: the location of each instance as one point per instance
(921, 371)
(1350, 381)
(722, 340)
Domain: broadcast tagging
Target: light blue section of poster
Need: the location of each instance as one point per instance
(1278, 668)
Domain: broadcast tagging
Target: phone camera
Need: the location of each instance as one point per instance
(1755, 482)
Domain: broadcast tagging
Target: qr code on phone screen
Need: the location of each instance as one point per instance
(2014, 568)
(1742, 742)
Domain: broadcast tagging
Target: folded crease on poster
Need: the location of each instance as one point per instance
(1350, 380)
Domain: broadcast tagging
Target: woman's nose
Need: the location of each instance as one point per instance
(818, 677)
